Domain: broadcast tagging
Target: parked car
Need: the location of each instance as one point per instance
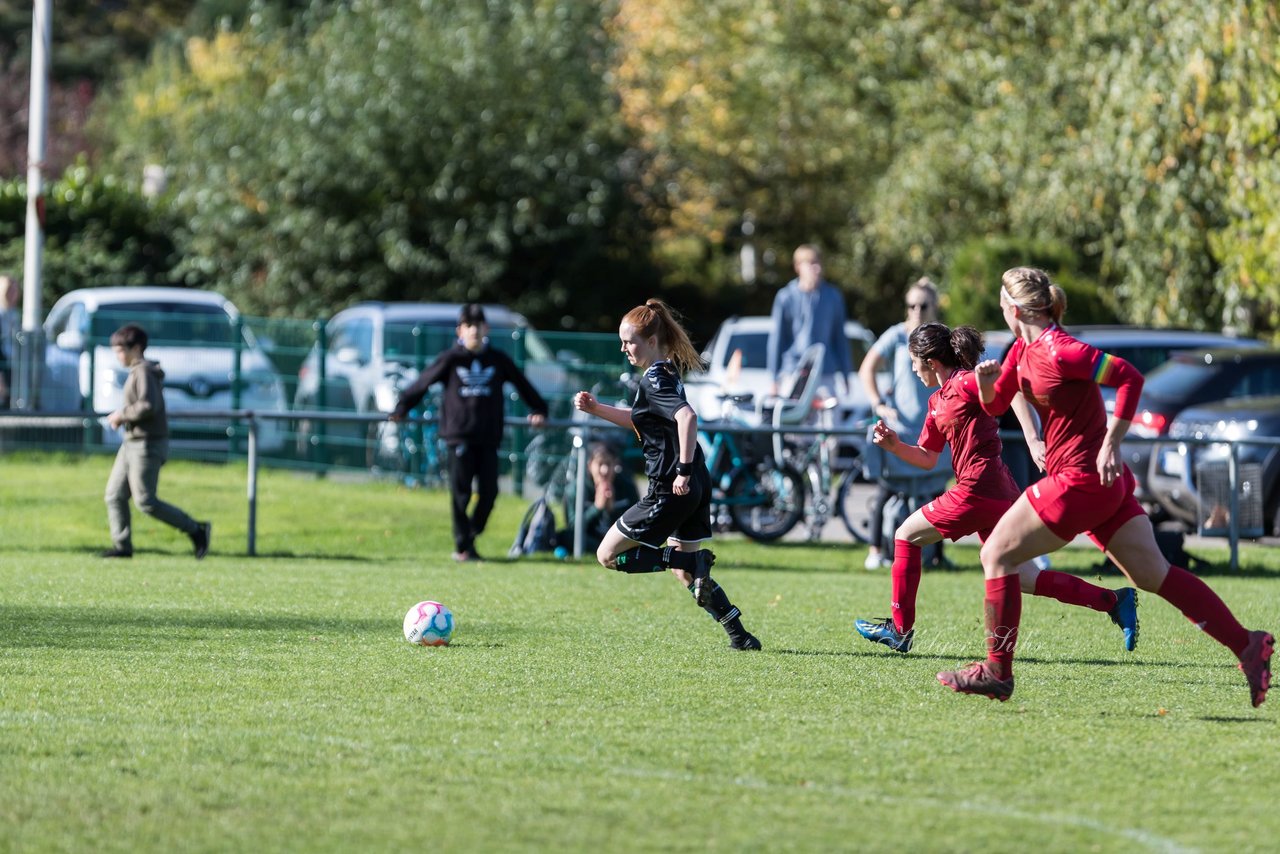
(374, 349)
(1190, 480)
(750, 337)
(195, 337)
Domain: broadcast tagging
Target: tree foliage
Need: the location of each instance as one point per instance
(393, 151)
(97, 232)
(530, 152)
(1103, 129)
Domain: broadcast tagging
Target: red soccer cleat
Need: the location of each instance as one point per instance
(977, 678)
(1255, 663)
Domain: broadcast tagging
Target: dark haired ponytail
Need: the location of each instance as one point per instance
(966, 344)
(956, 348)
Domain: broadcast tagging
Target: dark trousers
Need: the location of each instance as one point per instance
(470, 463)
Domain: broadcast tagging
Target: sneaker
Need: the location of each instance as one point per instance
(887, 633)
(977, 678)
(746, 640)
(116, 552)
(200, 538)
(1255, 663)
(1125, 615)
(703, 586)
(875, 561)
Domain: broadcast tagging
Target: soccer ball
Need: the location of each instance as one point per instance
(428, 624)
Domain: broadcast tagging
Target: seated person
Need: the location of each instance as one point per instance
(612, 491)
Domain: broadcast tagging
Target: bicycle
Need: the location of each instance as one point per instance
(828, 490)
(753, 493)
(909, 488)
(410, 450)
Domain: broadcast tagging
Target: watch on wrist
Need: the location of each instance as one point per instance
(684, 469)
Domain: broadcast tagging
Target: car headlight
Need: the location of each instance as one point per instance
(385, 397)
(265, 386)
(114, 379)
(1234, 430)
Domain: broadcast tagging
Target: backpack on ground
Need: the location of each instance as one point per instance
(537, 532)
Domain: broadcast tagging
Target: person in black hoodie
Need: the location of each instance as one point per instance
(471, 420)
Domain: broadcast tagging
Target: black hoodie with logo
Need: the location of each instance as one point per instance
(473, 405)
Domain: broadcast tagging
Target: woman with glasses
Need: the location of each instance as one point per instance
(1087, 489)
(905, 406)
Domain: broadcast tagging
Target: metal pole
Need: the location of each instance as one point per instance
(253, 484)
(237, 379)
(1233, 524)
(579, 498)
(33, 249)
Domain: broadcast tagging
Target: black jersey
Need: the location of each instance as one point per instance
(658, 399)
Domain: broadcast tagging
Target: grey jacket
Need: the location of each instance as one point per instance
(143, 408)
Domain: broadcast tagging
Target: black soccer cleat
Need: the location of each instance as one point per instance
(746, 640)
(200, 539)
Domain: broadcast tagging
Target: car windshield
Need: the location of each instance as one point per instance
(1144, 358)
(168, 324)
(1179, 378)
(401, 344)
(754, 347)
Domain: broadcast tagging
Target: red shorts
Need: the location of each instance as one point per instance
(1070, 505)
(958, 513)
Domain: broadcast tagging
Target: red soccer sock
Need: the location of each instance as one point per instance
(1070, 590)
(1003, 613)
(906, 581)
(1199, 604)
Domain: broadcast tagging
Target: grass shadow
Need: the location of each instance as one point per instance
(42, 627)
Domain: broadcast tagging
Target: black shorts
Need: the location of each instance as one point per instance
(663, 515)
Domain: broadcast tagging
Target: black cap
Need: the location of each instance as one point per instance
(472, 313)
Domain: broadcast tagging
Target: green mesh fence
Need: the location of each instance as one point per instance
(214, 362)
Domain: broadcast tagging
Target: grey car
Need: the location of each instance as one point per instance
(1190, 479)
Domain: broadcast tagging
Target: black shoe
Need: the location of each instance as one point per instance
(114, 552)
(703, 560)
(746, 640)
(200, 538)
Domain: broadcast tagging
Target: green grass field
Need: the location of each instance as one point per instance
(271, 703)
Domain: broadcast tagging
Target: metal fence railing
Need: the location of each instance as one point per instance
(1224, 497)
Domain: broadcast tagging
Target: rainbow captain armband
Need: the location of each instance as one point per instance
(1104, 371)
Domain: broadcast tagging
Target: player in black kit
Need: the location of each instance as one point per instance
(665, 530)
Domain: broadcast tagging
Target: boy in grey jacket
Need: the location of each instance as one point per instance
(145, 447)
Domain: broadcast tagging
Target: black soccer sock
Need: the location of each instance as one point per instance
(723, 611)
(692, 561)
(644, 559)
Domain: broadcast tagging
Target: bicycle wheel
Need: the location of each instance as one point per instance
(855, 508)
(764, 501)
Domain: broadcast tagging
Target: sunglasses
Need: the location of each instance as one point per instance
(919, 306)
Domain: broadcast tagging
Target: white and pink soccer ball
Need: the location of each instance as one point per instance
(428, 624)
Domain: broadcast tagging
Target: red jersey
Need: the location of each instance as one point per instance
(955, 418)
(1059, 376)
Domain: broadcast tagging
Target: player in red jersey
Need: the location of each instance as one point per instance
(1087, 489)
(983, 491)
